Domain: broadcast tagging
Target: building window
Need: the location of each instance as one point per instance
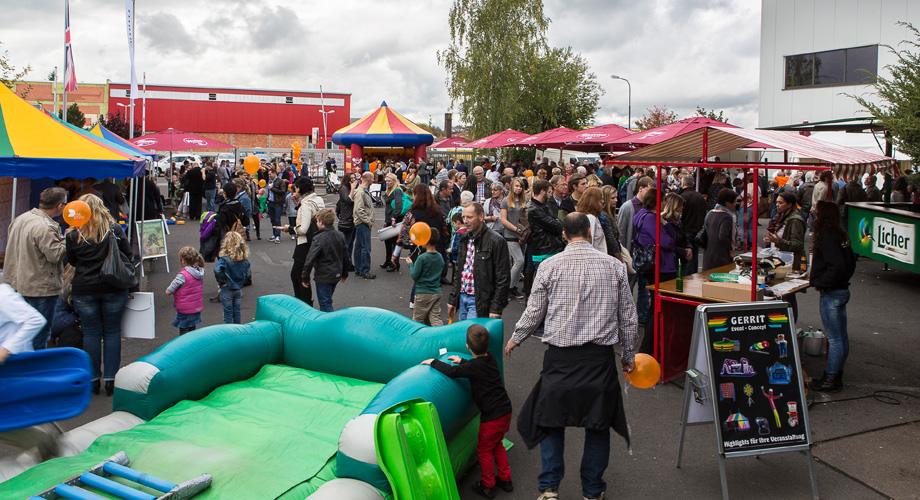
(832, 68)
(212, 97)
(289, 100)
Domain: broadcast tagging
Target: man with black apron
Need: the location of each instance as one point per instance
(584, 297)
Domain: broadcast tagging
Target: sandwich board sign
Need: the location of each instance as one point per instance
(744, 378)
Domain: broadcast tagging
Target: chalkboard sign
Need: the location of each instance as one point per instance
(744, 377)
(748, 378)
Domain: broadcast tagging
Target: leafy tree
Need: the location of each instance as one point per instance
(9, 75)
(657, 116)
(502, 74)
(51, 76)
(431, 127)
(75, 117)
(119, 126)
(899, 109)
(711, 114)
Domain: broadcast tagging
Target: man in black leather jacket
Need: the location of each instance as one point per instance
(545, 226)
(490, 268)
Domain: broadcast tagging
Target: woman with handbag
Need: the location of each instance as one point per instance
(645, 224)
(514, 220)
(98, 296)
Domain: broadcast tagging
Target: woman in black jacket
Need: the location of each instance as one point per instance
(832, 265)
(392, 215)
(98, 304)
(344, 210)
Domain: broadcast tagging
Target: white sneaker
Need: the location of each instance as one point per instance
(411, 305)
(548, 493)
(293, 237)
(600, 497)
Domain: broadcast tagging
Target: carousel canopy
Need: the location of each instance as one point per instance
(383, 127)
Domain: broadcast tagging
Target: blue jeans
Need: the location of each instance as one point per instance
(274, 212)
(209, 195)
(746, 228)
(362, 249)
(349, 243)
(643, 299)
(45, 307)
(324, 293)
(467, 309)
(833, 307)
(231, 299)
(594, 460)
(100, 314)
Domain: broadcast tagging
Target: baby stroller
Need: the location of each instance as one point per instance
(375, 192)
(332, 183)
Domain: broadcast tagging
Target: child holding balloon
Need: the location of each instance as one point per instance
(426, 273)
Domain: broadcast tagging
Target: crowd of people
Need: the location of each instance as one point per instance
(573, 239)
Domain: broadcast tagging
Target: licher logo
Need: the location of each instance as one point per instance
(650, 135)
(592, 136)
(864, 234)
(145, 142)
(511, 139)
(893, 239)
(199, 142)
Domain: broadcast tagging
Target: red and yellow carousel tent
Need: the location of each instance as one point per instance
(384, 128)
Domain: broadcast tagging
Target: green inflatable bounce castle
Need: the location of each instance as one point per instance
(280, 408)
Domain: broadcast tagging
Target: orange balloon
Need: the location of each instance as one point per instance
(528, 173)
(647, 372)
(373, 167)
(262, 183)
(76, 213)
(420, 233)
(251, 164)
(403, 176)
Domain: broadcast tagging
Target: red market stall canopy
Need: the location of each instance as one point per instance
(669, 131)
(498, 140)
(176, 140)
(451, 142)
(587, 140)
(34, 145)
(545, 136)
(690, 148)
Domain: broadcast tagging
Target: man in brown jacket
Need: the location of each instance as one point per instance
(34, 253)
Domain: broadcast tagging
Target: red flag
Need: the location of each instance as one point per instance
(70, 78)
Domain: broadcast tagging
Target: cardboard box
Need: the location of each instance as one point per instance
(732, 292)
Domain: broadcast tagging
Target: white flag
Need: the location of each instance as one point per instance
(129, 17)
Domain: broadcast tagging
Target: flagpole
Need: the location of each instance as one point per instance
(131, 128)
(144, 108)
(64, 86)
(54, 90)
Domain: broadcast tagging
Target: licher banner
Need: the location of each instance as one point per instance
(885, 234)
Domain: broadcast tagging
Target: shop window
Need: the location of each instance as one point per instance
(856, 66)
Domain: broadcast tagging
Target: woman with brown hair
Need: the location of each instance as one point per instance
(393, 215)
(98, 303)
(591, 203)
(608, 221)
(412, 179)
(512, 211)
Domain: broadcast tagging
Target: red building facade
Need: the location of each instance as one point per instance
(245, 118)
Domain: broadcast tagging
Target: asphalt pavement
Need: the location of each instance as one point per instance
(867, 442)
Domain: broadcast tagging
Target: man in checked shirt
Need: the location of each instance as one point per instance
(584, 297)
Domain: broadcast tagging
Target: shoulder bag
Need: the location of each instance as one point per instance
(524, 225)
(117, 270)
(643, 255)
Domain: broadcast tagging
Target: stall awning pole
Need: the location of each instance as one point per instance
(15, 189)
(754, 266)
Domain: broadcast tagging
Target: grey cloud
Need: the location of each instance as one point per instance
(164, 31)
(273, 27)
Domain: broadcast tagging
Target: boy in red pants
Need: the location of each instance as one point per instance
(494, 404)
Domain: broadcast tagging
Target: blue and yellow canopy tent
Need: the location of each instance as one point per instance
(112, 137)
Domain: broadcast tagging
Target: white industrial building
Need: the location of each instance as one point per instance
(813, 52)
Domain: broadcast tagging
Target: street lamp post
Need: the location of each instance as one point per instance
(629, 97)
(322, 104)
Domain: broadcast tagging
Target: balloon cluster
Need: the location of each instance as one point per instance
(296, 154)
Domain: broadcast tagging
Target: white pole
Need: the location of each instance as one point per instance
(64, 83)
(54, 90)
(15, 186)
(144, 108)
(322, 104)
(131, 126)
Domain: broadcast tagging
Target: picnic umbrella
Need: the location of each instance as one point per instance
(451, 142)
(176, 140)
(587, 140)
(498, 140)
(545, 136)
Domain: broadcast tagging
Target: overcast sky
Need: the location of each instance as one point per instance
(675, 53)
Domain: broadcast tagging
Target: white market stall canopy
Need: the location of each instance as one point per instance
(845, 162)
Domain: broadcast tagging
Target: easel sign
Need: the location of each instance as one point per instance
(151, 235)
(744, 376)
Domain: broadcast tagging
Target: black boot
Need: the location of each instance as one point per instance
(96, 385)
(109, 387)
(828, 382)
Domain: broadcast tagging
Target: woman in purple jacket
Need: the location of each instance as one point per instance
(645, 224)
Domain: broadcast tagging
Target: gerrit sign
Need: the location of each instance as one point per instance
(744, 377)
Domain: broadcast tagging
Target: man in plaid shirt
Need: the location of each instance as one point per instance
(584, 297)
